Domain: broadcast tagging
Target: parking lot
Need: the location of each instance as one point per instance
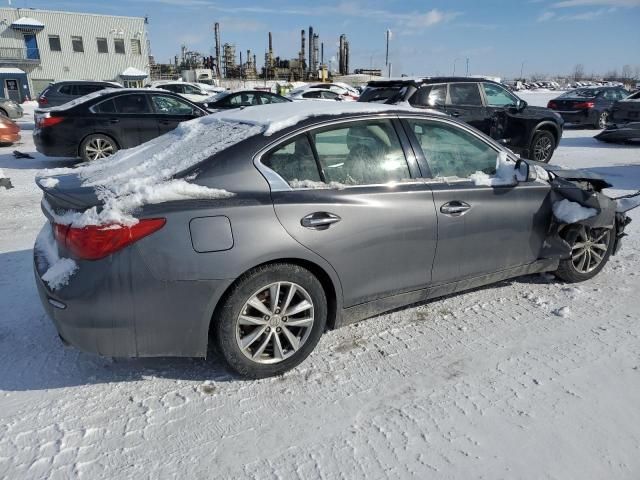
(500, 382)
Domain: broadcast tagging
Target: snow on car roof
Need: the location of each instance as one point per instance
(278, 116)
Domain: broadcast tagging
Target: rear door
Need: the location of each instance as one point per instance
(130, 117)
(349, 197)
(465, 103)
(170, 112)
(481, 229)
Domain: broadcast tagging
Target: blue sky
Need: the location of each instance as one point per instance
(549, 36)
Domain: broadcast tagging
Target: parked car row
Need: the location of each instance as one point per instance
(624, 121)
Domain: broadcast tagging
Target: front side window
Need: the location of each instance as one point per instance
(268, 98)
(294, 162)
(361, 153)
(54, 43)
(135, 47)
(451, 151)
(170, 105)
(312, 95)
(118, 45)
(191, 90)
(103, 46)
(329, 95)
(465, 94)
(132, 104)
(498, 96)
(243, 100)
(76, 43)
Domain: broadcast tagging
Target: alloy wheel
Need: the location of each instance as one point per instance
(275, 322)
(542, 149)
(589, 249)
(602, 120)
(99, 148)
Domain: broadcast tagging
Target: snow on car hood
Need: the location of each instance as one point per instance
(145, 174)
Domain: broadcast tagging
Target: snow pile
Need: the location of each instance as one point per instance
(48, 182)
(59, 269)
(278, 116)
(144, 174)
(506, 174)
(316, 185)
(564, 312)
(571, 212)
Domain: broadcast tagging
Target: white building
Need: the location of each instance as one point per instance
(50, 46)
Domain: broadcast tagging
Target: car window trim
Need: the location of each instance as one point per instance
(279, 184)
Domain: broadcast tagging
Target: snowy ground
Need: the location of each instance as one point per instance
(501, 382)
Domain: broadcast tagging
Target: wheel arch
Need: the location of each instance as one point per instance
(331, 289)
(548, 126)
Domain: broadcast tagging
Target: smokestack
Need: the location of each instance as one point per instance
(270, 43)
(216, 33)
(310, 63)
(322, 53)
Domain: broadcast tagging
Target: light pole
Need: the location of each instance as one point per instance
(467, 66)
(454, 65)
(521, 70)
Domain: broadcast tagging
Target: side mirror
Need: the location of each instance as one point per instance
(524, 172)
(521, 105)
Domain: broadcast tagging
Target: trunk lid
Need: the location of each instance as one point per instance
(65, 192)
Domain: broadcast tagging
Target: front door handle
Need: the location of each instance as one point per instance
(455, 208)
(114, 120)
(319, 220)
(455, 113)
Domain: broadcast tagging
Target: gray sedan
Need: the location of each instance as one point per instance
(10, 109)
(261, 228)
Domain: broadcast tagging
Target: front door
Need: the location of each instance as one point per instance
(464, 102)
(481, 228)
(12, 90)
(351, 203)
(170, 111)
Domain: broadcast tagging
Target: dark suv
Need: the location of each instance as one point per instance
(534, 132)
(59, 93)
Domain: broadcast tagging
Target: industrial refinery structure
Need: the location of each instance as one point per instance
(229, 62)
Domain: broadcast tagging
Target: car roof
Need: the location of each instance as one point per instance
(427, 80)
(86, 82)
(279, 116)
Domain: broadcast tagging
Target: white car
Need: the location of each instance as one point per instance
(190, 91)
(317, 94)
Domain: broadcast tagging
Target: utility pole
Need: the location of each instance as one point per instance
(454, 65)
(521, 70)
(386, 61)
(467, 66)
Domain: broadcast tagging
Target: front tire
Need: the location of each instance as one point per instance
(96, 147)
(271, 320)
(601, 122)
(542, 146)
(590, 252)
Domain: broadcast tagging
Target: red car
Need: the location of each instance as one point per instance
(9, 131)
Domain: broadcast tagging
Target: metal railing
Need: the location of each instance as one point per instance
(20, 54)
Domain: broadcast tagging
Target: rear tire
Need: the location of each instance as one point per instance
(259, 338)
(590, 252)
(542, 146)
(601, 121)
(97, 146)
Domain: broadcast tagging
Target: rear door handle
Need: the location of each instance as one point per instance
(455, 113)
(455, 208)
(114, 120)
(319, 220)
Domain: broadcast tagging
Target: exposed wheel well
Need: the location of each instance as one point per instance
(95, 133)
(319, 272)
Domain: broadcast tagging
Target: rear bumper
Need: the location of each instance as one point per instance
(115, 307)
(51, 145)
(579, 117)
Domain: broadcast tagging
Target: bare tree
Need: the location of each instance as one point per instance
(627, 73)
(578, 72)
(537, 77)
(611, 75)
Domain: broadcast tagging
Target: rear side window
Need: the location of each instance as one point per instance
(67, 90)
(361, 153)
(132, 104)
(87, 89)
(465, 94)
(389, 94)
(108, 106)
(451, 151)
(294, 161)
(243, 100)
(430, 96)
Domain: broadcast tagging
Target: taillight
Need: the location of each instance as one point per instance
(48, 121)
(582, 105)
(95, 242)
(552, 105)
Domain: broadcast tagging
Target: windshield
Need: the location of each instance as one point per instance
(581, 92)
(389, 94)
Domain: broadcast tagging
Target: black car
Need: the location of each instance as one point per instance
(534, 132)
(98, 125)
(242, 98)
(59, 93)
(624, 121)
(588, 105)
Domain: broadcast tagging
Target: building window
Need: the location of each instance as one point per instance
(54, 43)
(135, 47)
(118, 45)
(103, 46)
(76, 42)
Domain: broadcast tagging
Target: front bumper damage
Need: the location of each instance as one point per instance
(625, 132)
